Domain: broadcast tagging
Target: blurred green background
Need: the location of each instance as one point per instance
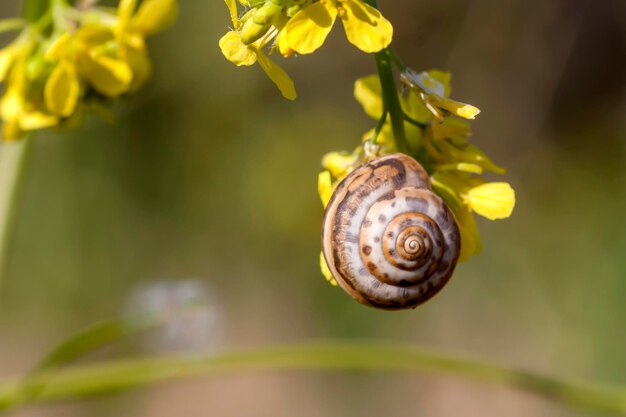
(209, 174)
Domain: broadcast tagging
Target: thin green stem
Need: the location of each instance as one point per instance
(391, 101)
(12, 157)
(90, 380)
(379, 126)
(415, 122)
(396, 59)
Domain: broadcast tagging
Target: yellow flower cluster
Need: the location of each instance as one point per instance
(298, 26)
(440, 142)
(72, 61)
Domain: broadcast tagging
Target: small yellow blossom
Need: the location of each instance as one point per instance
(364, 25)
(17, 114)
(94, 52)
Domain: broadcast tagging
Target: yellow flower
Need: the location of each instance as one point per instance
(241, 53)
(365, 26)
(493, 200)
(74, 52)
(433, 92)
(112, 56)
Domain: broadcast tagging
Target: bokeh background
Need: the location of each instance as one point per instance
(209, 177)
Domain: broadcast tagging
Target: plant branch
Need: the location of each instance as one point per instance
(415, 122)
(391, 102)
(90, 380)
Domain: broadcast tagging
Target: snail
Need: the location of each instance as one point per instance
(388, 240)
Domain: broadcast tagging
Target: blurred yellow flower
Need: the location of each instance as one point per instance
(87, 50)
(16, 112)
(365, 26)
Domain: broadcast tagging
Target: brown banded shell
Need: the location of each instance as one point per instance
(388, 240)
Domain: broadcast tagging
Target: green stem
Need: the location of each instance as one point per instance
(415, 122)
(12, 157)
(391, 102)
(379, 126)
(90, 380)
(396, 59)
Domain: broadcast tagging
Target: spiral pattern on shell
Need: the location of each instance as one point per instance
(388, 240)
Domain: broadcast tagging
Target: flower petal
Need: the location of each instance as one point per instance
(140, 65)
(236, 51)
(154, 16)
(307, 30)
(338, 163)
(324, 187)
(62, 90)
(326, 271)
(467, 111)
(365, 26)
(232, 8)
(494, 200)
(283, 45)
(7, 56)
(109, 76)
(125, 10)
(277, 75)
(368, 93)
(470, 237)
(37, 120)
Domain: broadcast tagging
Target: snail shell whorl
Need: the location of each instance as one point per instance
(388, 240)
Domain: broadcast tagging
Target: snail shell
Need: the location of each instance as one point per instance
(388, 240)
